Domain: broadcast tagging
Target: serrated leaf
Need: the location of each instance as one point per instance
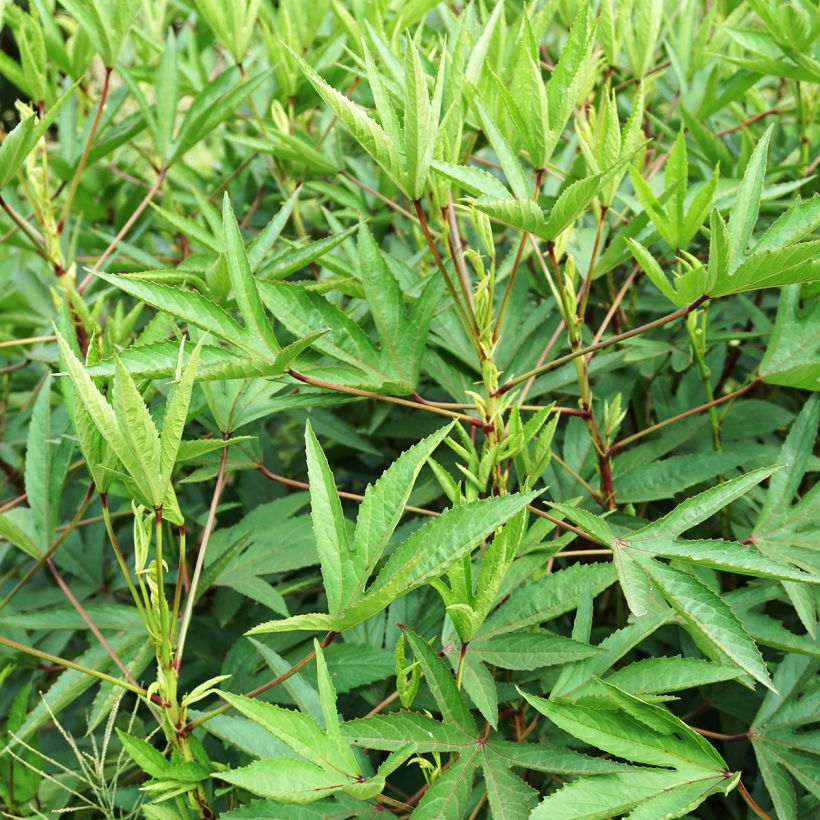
(337, 560)
(242, 281)
(365, 130)
(176, 414)
(383, 506)
(149, 759)
(442, 685)
(707, 614)
(744, 214)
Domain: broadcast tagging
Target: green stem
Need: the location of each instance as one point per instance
(574, 322)
(698, 350)
(369, 394)
(161, 603)
(58, 661)
(126, 573)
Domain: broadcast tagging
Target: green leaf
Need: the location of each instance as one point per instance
(383, 505)
(100, 411)
(543, 600)
(792, 357)
(167, 96)
(661, 675)
(528, 650)
(140, 434)
(176, 414)
(242, 281)
(699, 508)
(564, 86)
(520, 185)
(46, 467)
(365, 130)
(299, 732)
(708, 616)
(744, 214)
(149, 759)
(475, 181)
(187, 305)
(420, 122)
(428, 552)
(337, 559)
(442, 685)
(285, 780)
(23, 138)
(688, 768)
(775, 732)
(17, 527)
(214, 104)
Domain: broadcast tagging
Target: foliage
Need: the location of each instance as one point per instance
(409, 407)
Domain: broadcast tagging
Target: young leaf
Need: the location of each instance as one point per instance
(744, 214)
(244, 287)
(329, 529)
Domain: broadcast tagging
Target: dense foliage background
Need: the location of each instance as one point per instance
(437, 376)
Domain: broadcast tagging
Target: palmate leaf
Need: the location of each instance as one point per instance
(785, 745)
(787, 527)
(127, 427)
(700, 609)
(687, 769)
(324, 761)
(421, 557)
(394, 365)
(509, 795)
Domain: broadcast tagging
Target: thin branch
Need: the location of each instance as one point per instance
(86, 618)
(563, 524)
(369, 394)
(32, 233)
(58, 661)
(380, 196)
(719, 735)
(468, 321)
(680, 416)
(620, 337)
(328, 639)
(200, 558)
(750, 802)
(52, 549)
(579, 479)
(125, 228)
(31, 340)
(75, 180)
(613, 308)
(303, 485)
